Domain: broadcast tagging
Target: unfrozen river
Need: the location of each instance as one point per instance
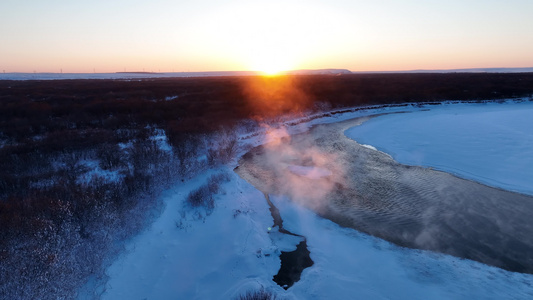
(412, 205)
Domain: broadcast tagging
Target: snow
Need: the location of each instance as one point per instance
(491, 143)
(369, 147)
(471, 70)
(161, 140)
(125, 146)
(209, 258)
(278, 129)
(230, 252)
(145, 75)
(95, 172)
(170, 98)
(118, 75)
(187, 255)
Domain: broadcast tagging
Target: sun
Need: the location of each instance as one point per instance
(271, 62)
(270, 40)
(270, 68)
(271, 71)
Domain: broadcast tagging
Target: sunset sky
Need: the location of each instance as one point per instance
(359, 35)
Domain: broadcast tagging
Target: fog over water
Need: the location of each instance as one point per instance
(412, 206)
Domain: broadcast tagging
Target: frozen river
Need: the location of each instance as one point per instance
(491, 143)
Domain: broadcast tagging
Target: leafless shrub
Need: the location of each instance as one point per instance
(261, 294)
(222, 146)
(203, 197)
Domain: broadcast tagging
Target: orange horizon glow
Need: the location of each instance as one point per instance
(275, 95)
(269, 37)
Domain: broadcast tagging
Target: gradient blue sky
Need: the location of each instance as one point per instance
(360, 35)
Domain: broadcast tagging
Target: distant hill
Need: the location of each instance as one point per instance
(138, 72)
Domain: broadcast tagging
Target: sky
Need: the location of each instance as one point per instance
(213, 35)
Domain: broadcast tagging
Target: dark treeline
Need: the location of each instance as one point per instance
(60, 220)
(229, 98)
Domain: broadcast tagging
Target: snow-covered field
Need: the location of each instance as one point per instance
(145, 75)
(490, 143)
(184, 255)
(118, 75)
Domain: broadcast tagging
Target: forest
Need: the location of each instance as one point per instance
(82, 162)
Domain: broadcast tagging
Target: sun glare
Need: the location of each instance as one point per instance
(273, 40)
(270, 71)
(271, 60)
(270, 67)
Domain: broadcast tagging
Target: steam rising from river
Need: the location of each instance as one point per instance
(301, 170)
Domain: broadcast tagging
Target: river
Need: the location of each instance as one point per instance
(415, 207)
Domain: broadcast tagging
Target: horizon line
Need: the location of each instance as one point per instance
(284, 71)
(322, 71)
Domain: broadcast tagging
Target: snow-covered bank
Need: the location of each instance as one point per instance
(490, 143)
(231, 252)
(182, 256)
